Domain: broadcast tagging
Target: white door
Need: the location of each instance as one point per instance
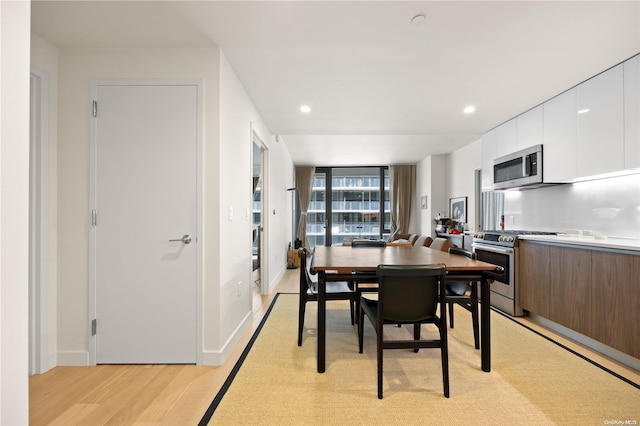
(145, 198)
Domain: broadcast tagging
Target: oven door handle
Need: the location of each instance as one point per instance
(493, 249)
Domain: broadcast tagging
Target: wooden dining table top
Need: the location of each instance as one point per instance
(348, 259)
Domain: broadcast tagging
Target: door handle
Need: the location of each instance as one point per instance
(186, 239)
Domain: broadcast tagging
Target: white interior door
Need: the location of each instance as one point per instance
(146, 201)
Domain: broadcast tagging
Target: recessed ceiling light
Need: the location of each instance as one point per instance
(582, 111)
(469, 109)
(418, 19)
(305, 108)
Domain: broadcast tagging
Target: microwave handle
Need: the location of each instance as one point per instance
(526, 165)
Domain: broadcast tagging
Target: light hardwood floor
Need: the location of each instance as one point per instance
(137, 394)
(164, 394)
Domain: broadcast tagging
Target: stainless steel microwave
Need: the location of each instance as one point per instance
(520, 169)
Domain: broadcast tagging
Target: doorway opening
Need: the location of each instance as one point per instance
(38, 221)
(260, 285)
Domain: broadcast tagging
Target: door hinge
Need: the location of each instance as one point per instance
(94, 111)
(94, 326)
(94, 217)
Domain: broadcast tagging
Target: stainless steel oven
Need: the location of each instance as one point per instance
(503, 287)
(501, 248)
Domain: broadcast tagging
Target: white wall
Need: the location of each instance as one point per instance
(238, 118)
(77, 66)
(431, 180)
(229, 117)
(44, 55)
(14, 211)
(461, 167)
(441, 177)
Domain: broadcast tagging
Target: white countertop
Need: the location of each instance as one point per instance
(595, 242)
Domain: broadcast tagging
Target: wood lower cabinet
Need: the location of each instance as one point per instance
(615, 300)
(593, 292)
(570, 288)
(534, 278)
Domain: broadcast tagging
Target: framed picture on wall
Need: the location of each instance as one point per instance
(458, 209)
(423, 202)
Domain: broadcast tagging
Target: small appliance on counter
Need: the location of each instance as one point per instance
(442, 224)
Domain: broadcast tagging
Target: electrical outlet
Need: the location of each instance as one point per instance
(230, 213)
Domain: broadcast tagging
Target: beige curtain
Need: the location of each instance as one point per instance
(403, 188)
(304, 184)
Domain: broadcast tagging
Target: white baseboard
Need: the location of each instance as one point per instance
(73, 359)
(216, 358)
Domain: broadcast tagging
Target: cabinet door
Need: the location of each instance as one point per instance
(615, 296)
(632, 113)
(534, 278)
(570, 297)
(488, 154)
(529, 128)
(600, 124)
(560, 144)
(506, 138)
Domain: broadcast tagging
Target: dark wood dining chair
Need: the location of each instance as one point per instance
(367, 278)
(407, 294)
(339, 290)
(465, 294)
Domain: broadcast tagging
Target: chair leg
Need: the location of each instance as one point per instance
(474, 315)
(352, 307)
(360, 328)
(416, 335)
(450, 305)
(445, 360)
(301, 311)
(379, 345)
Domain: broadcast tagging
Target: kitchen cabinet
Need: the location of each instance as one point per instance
(631, 71)
(506, 138)
(600, 129)
(488, 155)
(560, 147)
(591, 129)
(570, 287)
(615, 299)
(534, 278)
(590, 291)
(529, 128)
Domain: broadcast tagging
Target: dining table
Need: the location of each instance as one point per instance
(339, 263)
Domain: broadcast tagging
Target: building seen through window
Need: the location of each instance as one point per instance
(359, 207)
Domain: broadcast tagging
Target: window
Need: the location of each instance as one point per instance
(359, 200)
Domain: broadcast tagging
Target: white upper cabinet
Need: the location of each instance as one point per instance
(632, 113)
(488, 154)
(560, 147)
(506, 138)
(601, 124)
(529, 128)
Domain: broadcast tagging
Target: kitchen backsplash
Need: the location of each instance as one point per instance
(608, 207)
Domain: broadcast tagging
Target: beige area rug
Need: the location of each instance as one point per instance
(533, 381)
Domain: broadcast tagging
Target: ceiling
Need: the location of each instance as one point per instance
(381, 90)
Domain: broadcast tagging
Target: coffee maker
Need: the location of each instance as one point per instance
(442, 224)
